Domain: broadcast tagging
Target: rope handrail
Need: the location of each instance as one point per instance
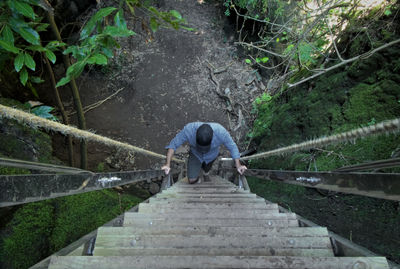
(376, 129)
(38, 122)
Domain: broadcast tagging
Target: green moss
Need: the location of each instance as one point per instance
(30, 227)
(80, 214)
(39, 229)
(377, 101)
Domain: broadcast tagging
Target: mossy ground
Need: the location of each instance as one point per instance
(39, 229)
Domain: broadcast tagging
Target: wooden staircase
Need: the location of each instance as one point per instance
(213, 225)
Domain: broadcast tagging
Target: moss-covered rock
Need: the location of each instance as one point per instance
(22, 142)
(38, 229)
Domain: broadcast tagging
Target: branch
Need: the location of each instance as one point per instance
(264, 50)
(362, 56)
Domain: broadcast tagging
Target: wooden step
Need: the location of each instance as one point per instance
(207, 206)
(202, 215)
(214, 230)
(204, 185)
(211, 213)
(265, 262)
(208, 251)
(130, 220)
(205, 190)
(207, 200)
(206, 195)
(211, 241)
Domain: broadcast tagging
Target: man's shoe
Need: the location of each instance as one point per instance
(206, 177)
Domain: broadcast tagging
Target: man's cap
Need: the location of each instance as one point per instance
(204, 137)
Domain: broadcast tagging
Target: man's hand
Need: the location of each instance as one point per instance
(166, 169)
(241, 169)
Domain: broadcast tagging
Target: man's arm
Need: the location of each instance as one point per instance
(233, 149)
(175, 143)
(239, 167)
(167, 166)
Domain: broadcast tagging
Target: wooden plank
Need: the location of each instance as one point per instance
(221, 213)
(209, 251)
(210, 241)
(206, 195)
(144, 222)
(205, 190)
(202, 215)
(80, 251)
(206, 206)
(214, 230)
(180, 262)
(206, 200)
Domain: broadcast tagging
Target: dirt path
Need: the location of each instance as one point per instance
(167, 84)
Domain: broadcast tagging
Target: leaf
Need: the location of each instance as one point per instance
(264, 59)
(107, 52)
(19, 62)
(98, 59)
(154, 24)
(25, 31)
(277, 40)
(8, 35)
(63, 81)
(387, 12)
(36, 80)
(51, 56)
(23, 76)
(42, 27)
(44, 112)
(21, 8)
(176, 14)
(29, 62)
(8, 46)
(117, 31)
(76, 69)
(36, 48)
(91, 24)
(258, 60)
(54, 44)
(119, 19)
(248, 61)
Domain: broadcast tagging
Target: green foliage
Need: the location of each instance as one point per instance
(96, 42)
(44, 112)
(20, 40)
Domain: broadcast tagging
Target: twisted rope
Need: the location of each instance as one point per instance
(38, 122)
(377, 129)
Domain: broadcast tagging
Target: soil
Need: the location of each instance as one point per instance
(166, 83)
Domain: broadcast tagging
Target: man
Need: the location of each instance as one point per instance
(204, 140)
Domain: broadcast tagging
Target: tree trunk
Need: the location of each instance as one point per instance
(61, 107)
(75, 92)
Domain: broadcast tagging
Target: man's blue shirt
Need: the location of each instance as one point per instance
(220, 136)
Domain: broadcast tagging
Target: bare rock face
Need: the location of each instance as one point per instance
(154, 188)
